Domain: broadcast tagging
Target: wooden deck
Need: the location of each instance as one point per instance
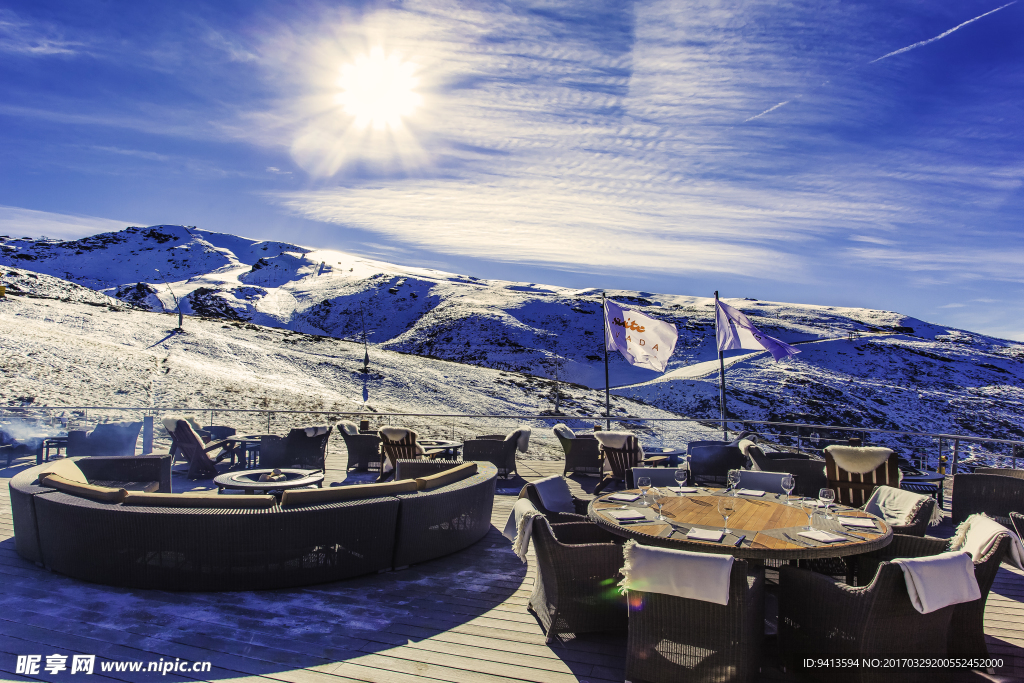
(462, 618)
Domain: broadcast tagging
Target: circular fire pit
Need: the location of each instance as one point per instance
(249, 480)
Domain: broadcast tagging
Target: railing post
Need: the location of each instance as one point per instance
(147, 434)
(956, 454)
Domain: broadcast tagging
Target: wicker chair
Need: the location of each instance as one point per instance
(1001, 471)
(297, 450)
(530, 492)
(993, 494)
(855, 489)
(498, 449)
(966, 633)
(809, 472)
(363, 449)
(711, 464)
(821, 618)
(577, 571)
(680, 639)
(108, 438)
(582, 453)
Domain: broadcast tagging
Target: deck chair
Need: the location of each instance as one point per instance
(397, 443)
(623, 452)
(200, 466)
(854, 472)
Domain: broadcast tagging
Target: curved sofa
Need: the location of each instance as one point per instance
(217, 548)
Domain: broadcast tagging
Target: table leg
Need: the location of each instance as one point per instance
(249, 492)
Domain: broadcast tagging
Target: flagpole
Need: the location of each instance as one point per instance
(607, 394)
(721, 374)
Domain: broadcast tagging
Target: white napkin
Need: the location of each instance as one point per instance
(859, 522)
(749, 492)
(623, 497)
(626, 515)
(698, 576)
(696, 534)
(823, 536)
(940, 580)
(686, 489)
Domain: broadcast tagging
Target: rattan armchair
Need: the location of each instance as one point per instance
(498, 449)
(297, 450)
(582, 454)
(530, 492)
(363, 448)
(993, 494)
(967, 634)
(108, 438)
(711, 464)
(577, 573)
(681, 639)
(822, 619)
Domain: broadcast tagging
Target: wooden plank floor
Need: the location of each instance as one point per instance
(462, 618)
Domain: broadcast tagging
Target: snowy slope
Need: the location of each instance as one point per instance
(858, 367)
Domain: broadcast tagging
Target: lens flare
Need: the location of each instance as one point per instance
(379, 90)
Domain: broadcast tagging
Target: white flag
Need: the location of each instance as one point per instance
(735, 331)
(642, 340)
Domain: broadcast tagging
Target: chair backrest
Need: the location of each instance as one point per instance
(810, 474)
(711, 464)
(992, 494)
(114, 438)
(622, 459)
(217, 433)
(700, 444)
(1001, 471)
(855, 489)
(659, 476)
(412, 469)
(769, 482)
(401, 449)
(191, 447)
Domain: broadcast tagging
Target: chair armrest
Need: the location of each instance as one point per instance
(581, 505)
(912, 546)
(220, 443)
(581, 533)
(655, 460)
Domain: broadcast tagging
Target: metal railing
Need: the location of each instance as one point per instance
(923, 448)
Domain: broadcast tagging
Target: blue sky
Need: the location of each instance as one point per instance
(793, 151)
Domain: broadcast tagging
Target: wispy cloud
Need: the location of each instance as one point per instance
(18, 222)
(21, 37)
(942, 35)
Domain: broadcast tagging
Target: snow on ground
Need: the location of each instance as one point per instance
(858, 367)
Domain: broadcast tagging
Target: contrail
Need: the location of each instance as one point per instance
(780, 104)
(941, 35)
(908, 48)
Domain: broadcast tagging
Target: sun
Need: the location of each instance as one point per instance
(379, 90)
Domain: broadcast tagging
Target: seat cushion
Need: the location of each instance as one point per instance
(198, 500)
(447, 477)
(300, 497)
(76, 488)
(64, 468)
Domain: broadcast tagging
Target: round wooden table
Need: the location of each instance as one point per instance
(770, 526)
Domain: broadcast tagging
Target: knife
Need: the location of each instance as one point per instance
(739, 540)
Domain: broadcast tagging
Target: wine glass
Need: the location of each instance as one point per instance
(659, 501)
(726, 508)
(681, 475)
(734, 479)
(810, 506)
(644, 484)
(788, 484)
(826, 496)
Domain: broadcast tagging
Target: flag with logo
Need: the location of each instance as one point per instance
(735, 331)
(642, 340)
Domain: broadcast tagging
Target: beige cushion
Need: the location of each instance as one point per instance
(451, 476)
(198, 500)
(300, 497)
(77, 488)
(65, 468)
(170, 422)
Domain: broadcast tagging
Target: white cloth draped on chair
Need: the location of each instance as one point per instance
(698, 576)
(897, 506)
(978, 533)
(941, 580)
(554, 494)
(519, 526)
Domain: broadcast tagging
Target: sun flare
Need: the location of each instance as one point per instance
(379, 90)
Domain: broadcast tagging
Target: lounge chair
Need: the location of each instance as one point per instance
(197, 453)
(623, 452)
(854, 472)
(397, 443)
(582, 451)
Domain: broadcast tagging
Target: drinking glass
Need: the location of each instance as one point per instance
(726, 507)
(681, 475)
(826, 496)
(788, 484)
(661, 504)
(734, 479)
(644, 484)
(810, 507)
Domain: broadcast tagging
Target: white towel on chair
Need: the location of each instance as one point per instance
(698, 576)
(397, 433)
(524, 439)
(859, 460)
(348, 428)
(316, 431)
(612, 439)
(978, 533)
(896, 506)
(554, 494)
(519, 527)
(941, 580)
(563, 431)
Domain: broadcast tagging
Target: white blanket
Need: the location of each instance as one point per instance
(397, 433)
(941, 580)
(563, 431)
(170, 422)
(554, 494)
(896, 506)
(978, 533)
(859, 460)
(348, 428)
(519, 527)
(699, 576)
(615, 440)
(316, 431)
(524, 439)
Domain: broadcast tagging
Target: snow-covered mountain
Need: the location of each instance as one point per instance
(858, 367)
